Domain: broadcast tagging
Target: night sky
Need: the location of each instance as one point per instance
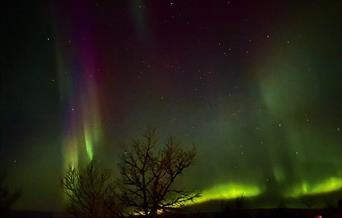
(256, 85)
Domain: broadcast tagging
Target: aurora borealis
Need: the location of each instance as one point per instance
(256, 85)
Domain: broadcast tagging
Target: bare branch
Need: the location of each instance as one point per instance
(148, 175)
(90, 192)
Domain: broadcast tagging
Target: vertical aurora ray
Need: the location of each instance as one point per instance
(78, 87)
(82, 131)
(297, 157)
(86, 131)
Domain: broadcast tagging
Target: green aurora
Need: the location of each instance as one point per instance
(258, 93)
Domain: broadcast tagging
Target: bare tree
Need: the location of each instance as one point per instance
(7, 197)
(90, 192)
(148, 175)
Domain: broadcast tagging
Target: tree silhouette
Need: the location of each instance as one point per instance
(90, 192)
(148, 175)
(7, 197)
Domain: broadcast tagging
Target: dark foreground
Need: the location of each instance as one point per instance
(251, 213)
(268, 213)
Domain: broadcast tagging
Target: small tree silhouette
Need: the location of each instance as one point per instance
(7, 197)
(308, 202)
(148, 175)
(90, 192)
(240, 202)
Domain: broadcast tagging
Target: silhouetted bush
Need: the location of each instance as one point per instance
(91, 192)
(7, 197)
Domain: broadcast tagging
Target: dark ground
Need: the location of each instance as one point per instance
(248, 213)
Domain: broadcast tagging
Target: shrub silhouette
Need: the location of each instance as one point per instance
(90, 192)
(7, 197)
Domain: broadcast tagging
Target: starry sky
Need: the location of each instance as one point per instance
(256, 85)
